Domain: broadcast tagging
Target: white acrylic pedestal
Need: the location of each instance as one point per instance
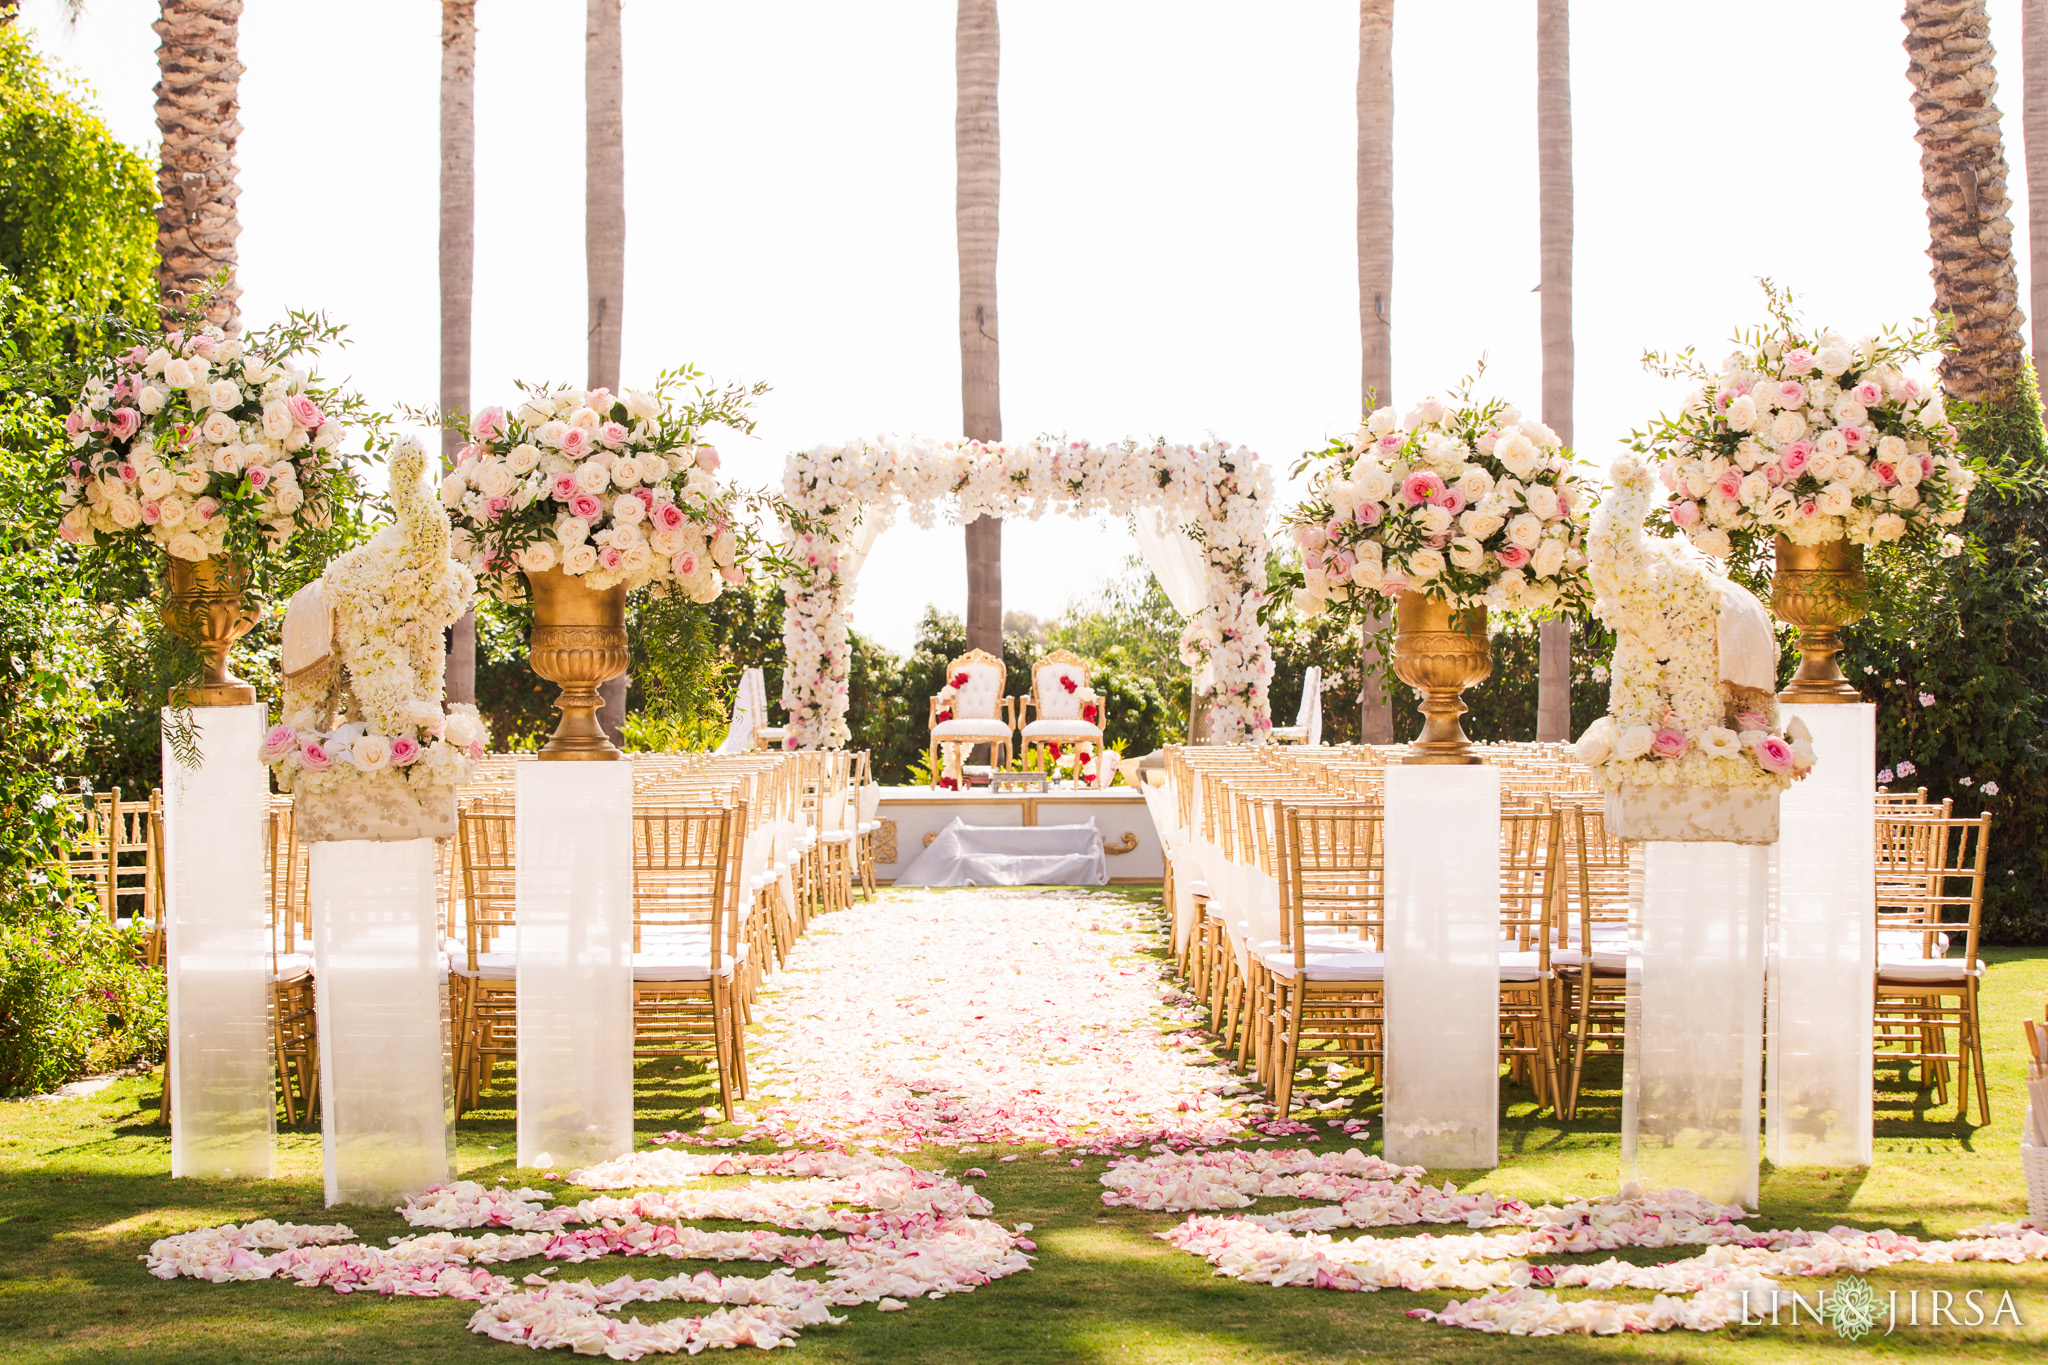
(1692, 1072)
(1443, 966)
(575, 962)
(1823, 960)
(217, 949)
(381, 994)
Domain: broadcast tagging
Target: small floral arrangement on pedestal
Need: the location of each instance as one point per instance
(196, 444)
(610, 489)
(1808, 435)
(1471, 503)
(1692, 721)
(363, 644)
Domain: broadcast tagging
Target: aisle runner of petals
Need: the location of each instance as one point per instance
(961, 1017)
(920, 1234)
(1294, 1248)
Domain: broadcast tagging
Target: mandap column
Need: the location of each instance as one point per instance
(575, 962)
(217, 957)
(1443, 966)
(1823, 961)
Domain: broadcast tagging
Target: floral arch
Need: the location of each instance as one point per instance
(1217, 495)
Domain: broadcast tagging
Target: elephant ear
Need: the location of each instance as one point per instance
(1749, 648)
(309, 630)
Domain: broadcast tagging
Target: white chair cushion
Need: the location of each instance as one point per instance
(291, 965)
(1907, 943)
(677, 966)
(1062, 729)
(1924, 971)
(970, 727)
(489, 966)
(1520, 967)
(1335, 967)
(1054, 701)
(1198, 888)
(1279, 732)
(980, 695)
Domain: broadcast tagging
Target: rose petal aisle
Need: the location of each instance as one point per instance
(973, 1016)
(1735, 1277)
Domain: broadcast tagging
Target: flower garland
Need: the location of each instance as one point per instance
(1222, 492)
(1808, 436)
(925, 1235)
(610, 490)
(203, 440)
(1672, 719)
(391, 600)
(1294, 1248)
(1473, 504)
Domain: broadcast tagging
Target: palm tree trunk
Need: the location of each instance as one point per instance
(458, 265)
(1962, 177)
(977, 186)
(604, 238)
(1554, 219)
(2034, 123)
(1375, 293)
(197, 103)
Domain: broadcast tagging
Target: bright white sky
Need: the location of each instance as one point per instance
(1178, 252)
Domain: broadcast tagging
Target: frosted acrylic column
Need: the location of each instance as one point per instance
(217, 948)
(381, 993)
(1823, 952)
(575, 956)
(1443, 966)
(1693, 1071)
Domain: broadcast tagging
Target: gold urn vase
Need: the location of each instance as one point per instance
(1819, 588)
(205, 603)
(1440, 651)
(579, 644)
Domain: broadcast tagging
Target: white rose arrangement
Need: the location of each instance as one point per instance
(1810, 436)
(1474, 504)
(609, 489)
(196, 444)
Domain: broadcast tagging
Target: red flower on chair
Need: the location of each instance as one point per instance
(948, 784)
(960, 678)
(1069, 683)
(945, 716)
(1053, 748)
(1092, 713)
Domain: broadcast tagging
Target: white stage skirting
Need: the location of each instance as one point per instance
(913, 816)
(996, 855)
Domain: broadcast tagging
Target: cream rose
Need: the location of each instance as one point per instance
(1634, 742)
(370, 753)
(578, 559)
(1542, 500)
(1549, 558)
(1425, 564)
(538, 557)
(1525, 531)
(185, 545)
(523, 458)
(592, 477)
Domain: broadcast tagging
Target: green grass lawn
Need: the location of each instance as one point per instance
(85, 1187)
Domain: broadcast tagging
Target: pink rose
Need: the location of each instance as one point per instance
(1886, 475)
(1312, 560)
(1796, 457)
(1668, 743)
(129, 473)
(564, 488)
(733, 574)
(1750, 720)
(611, 557)
(1791, 394)
(684, 564)
(1335, 528)
(1668, 476)
(1926, 464)
(468, 453)
(612, 434)
(1389, 443)
(1394, 584)
(1853, 434)
(1451, 500)
(405, 749)
(70, 531)
(489, 424)
(1809, 508)
(74, 422)
(669, 517)
(1343, 563)
(257, 475)
(204, 345)
(707, 459)
(1300, 534)
(1730, 483)
(586, 506)
(1774, 474)
(304, 411)
(152, 513)
(1868, 393)
(475, 749)
(124, 423)
(575, 441)
(496, 507)
(646, 496)
(1368, 514)
(1420, 487)
(279, 741)
(206, 509)
(1686, 514)
(1514, 556)
(315, 756)
(1799, 360)
(1774, 754)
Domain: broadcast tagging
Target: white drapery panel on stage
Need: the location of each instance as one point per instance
(1173, 557)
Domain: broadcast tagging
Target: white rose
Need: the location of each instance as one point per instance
(1542, 500)
(627, 509)
(1468, 554)
(463, 728)
(1475, 483)
(1888, 526)
(219, 428)
(1634, 742)
(589, 418)
(1433, 519)
(1755, 488)
(126, 512)
(172, 510)
(723, 548)
(1373, 485)
(1481, 525)
(178, 374)
(538, 557)
(1425, 564)
(1721, 742)
(639, 406)
(592, 477)
(287, 499)
(1836, 499)
(370, 753)
(223, 394)
(1517, 452)
(494, 480)
(1909, 472)
(1741, 415)
(1597, 743)
(1525, 531)
(156, 481)
(150, 400)
(1906, 496)
(667, 543)
(453, 487)
(277, 420)
(1832, 360)
(185, 545)
(1789, 426)
(572, 530)
(523, 458)
(653, 468)
(578, 559)
(626, 471)
(550, 431)
(1713, 541)
(627, 534)
(1849, 412)
(1549, 558)
(1366, 573)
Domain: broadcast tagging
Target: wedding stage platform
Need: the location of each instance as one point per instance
(913, 816)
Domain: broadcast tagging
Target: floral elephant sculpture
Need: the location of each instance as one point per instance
(366, 744)
(1690, 748)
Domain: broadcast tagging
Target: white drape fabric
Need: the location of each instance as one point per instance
(749, 713)
(1173, 557)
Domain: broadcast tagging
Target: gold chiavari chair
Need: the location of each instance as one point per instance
(1327, 982)
(1531, 858)
(89, 857)
(484, 982)
(685, 913)
(1930, 893)
(1591, 961)
(294, 1019)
